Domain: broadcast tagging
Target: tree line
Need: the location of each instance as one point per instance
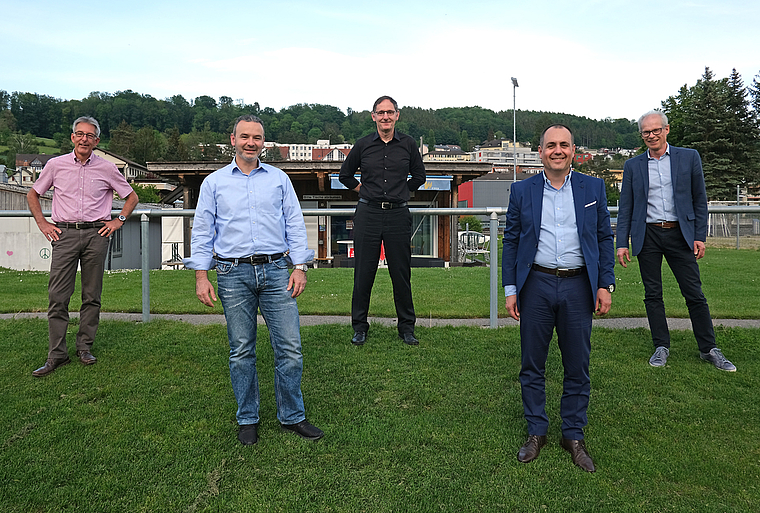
(718, 117)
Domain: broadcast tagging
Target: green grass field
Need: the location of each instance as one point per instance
(151, 427)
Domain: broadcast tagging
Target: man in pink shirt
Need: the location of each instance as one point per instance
(82, 201)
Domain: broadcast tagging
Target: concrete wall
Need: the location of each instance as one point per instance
(22, 245)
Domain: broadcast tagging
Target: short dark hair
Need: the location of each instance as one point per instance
(382, 99)
(556, 125)
(250, 118)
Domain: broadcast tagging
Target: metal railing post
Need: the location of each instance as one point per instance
(145, 254)
(494, 235)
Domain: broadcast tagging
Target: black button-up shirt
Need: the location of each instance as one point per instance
(384, 168)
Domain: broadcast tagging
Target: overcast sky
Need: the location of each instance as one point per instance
(591, 58)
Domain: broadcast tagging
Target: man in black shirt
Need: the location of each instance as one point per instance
(385, 159)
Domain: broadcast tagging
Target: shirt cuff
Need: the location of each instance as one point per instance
(510, 290)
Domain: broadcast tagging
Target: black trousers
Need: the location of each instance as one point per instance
(669, 242)
(392, 228)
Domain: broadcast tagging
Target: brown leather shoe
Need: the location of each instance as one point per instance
(50, 366)
(581, 457)
(86, 357)
(530, 449)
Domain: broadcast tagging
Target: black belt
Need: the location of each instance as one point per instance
(562, 273)
(385, 205)
(82, 226)
(253, 259)
(665, 224)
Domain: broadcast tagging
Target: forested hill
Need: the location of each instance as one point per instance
(207, 120)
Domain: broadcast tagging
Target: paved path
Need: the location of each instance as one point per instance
(312, 320)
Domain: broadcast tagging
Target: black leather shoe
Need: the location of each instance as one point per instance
(50, 366)
(248, 434)
(304, 430)
(581, 457)
(409, 338)
(530, 449)
(86, 357)
(360, 337)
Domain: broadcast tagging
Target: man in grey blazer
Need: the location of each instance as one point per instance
(663, 209)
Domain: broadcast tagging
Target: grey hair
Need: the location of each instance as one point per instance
(659, 113)
(89, 120)
(249, 118)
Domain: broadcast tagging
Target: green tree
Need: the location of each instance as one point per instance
(707, 117)
(122, 139)
(471, 221)
(18, 144)
(147, 193)
(176, 150)
(464, 141)
(148, 146)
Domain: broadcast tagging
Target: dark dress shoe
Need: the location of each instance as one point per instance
(86, 357)
(248, 434)
(530, 449)
(581, 457)
(409, 338)
(360, 337)
(304, 430)
(50, 366)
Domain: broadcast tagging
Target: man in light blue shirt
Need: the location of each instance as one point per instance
(248, 225)
(557, 270)
(663, 212)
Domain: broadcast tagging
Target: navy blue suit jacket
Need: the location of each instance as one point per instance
(524, 226)
(689, 196)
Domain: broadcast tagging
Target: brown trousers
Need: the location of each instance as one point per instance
(87, 248)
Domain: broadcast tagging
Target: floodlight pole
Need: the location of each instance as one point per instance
(514, 126)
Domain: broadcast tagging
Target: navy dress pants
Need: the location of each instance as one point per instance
(566, 304)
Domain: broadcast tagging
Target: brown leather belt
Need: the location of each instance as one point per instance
(82, 226)
(253, 259)
(561, 273)
(665, 224)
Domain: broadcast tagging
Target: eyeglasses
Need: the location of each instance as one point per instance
(90, 137)
(382, 113)
(647, 133)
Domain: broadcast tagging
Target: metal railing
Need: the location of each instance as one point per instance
(492, 212)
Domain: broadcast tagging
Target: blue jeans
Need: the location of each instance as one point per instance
(243, 289)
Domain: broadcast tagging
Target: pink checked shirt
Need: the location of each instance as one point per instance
(83, 192)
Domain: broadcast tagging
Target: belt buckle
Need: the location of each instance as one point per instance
(559, 272)
(77, 226)
(386, 205)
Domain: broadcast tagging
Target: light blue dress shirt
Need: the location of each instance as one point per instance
(661, 204)
(238, 216)
(559, 246)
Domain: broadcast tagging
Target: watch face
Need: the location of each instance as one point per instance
(122, 218)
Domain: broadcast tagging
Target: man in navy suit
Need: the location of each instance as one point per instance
(557, 269)
(663, 209)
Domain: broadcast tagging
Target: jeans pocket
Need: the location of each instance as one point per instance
(280, 263)
(224, 267)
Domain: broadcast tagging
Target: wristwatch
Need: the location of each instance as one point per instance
(301, 267)
(122, 218)
(610, 288)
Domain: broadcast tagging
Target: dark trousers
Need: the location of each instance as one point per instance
(74, 248)
(393, 228)
(669, 242)
(566, 304)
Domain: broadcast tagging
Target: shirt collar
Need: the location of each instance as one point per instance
(234, 167)
(667, 152)
(395, 135)
(567, 179)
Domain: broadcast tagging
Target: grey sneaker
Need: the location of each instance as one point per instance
(660, 357)
(716, 358)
